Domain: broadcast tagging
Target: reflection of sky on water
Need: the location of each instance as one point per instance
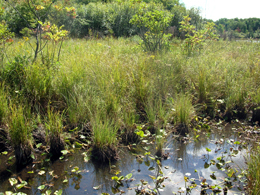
(183, 158)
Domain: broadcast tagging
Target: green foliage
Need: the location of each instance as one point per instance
(56, 35)
(152, 24)
(183, 109)
(14, 73)
(37, 24)
(195, 40)
(253, 173)
(104, 132)
(20, 126)
(54, 123)
(5, 37)
(3, 105)
(238, 28)
(39, 85)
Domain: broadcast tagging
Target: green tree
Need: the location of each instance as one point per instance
(37, 13)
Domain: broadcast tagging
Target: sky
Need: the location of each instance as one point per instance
(216, 9)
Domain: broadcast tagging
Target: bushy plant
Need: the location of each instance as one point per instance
(39, 11)
(119, 19)
(196, 39)
(152, 24)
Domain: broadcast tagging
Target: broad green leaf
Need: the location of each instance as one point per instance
(19, 186)
(13, 181)
(38, 145)
(64, 152)
(11, 157)
(140, 133)
(86, 158)
(41, 187)
(41, 172)
(65, 181)
(237, 142)
(121, 178)
(78, 145)
(75, 169)
(128, 176)
(48, 192)
(58, 192)
(114, 178)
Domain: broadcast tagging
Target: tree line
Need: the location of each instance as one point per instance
(239, 28)
(83, 18)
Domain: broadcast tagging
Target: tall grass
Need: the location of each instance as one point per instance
(104, 138)
(183, 112)
(20, 132)
(3, 105)
(54, 130)
(183, 109)
(114, 85)
(253, 172)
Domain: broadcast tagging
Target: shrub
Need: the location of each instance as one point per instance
(196, 39)
(153, 24)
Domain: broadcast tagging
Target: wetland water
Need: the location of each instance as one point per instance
(207, 160)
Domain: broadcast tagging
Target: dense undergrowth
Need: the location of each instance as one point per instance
(107, 91)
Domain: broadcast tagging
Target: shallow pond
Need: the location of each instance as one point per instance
(214, 160)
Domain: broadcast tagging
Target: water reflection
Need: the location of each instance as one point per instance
(186, 159)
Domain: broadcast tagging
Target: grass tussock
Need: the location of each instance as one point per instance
(183, 112)
(104, 139)
(20, 132)
(253, 172)
(3, 106)
(54, 129)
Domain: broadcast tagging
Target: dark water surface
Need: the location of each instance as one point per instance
(184, 158)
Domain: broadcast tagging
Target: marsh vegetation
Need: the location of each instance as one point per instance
(111, 94)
